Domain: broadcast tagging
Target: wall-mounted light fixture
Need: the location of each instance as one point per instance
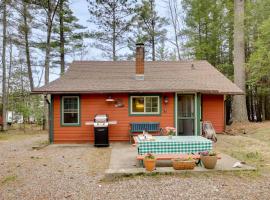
(110, 99)
(119, 103)
(166, 100)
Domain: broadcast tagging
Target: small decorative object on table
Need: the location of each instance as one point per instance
(170, 131)
(149, 162)
(183, 163)
(209, 159)
(146, 137)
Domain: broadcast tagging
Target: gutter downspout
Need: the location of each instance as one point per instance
(50, 117)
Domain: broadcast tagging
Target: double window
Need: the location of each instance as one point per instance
(148, 105)
(70, 110)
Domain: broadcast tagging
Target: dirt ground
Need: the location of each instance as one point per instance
(76, 171)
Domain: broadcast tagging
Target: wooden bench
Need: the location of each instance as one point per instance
(173, 156)
(138, 127)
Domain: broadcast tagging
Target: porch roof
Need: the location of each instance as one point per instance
(160, 76)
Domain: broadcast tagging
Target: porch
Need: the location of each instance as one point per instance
(127, 165)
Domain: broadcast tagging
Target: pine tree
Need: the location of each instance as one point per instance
(258, 65)
(112, 21)
(207, 30)
(49, 9)
(68, 35)
(25, 30)
(151, 24)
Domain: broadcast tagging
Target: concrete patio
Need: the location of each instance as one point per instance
(123, 163)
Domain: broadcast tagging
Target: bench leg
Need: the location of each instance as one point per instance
(198, 162)
(140, 163)
(130, 138)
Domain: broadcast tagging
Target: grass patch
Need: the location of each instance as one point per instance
(252, 148)
(44, 143)
(8, 136)
(35, 158)
(2, 136)
(249, 157)
(9, 179)
(16, 134)
(262, 135)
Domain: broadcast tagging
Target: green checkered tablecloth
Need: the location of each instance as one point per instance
(178, 144)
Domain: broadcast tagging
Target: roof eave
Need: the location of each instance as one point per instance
(139, 91)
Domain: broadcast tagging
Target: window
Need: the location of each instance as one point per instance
(145, 105)
(70, 110)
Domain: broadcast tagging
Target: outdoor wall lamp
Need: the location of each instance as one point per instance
(109, 99)
(166, 100)
(118, 103)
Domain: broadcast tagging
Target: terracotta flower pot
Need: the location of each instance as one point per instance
(209, 162)
(149, 164)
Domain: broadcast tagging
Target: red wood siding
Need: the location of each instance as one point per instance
(92, 104)
(213, 110)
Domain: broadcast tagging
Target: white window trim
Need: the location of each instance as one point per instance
(62, 110)
(144, 113)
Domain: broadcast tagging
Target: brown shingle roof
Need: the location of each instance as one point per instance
(160, 76)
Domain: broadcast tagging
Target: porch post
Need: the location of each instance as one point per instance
(198, 114)
(175, 112)
(51, 119)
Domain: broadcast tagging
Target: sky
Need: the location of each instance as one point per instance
(80, 9)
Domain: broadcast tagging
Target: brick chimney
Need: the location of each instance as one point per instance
(139, 61)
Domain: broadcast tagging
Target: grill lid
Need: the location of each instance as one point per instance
(101, 121)
(101, 118)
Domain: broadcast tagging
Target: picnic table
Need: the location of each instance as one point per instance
(175, 145)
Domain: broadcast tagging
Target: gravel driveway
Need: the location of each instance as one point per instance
(75, 172)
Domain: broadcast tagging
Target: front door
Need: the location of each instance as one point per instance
(185, 114)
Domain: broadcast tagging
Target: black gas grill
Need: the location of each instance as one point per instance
(101, 124)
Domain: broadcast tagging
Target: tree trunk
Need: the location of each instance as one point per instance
(47, 69)
(9, 71)
(52, 7)
(114, 34)
(258, 107)
(262, 97)
(62, 38)
(26, 41)
(248, 103)
(4, 93)
(228, 107)
(153, 32)
(252, 105)
(175, 23)
(239, 101)
(267, 108)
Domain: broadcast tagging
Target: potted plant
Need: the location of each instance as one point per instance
(183, 163)
(170, 131)
(149, 162)
(209, 159)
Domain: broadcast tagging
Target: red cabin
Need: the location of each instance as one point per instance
(178, 94)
